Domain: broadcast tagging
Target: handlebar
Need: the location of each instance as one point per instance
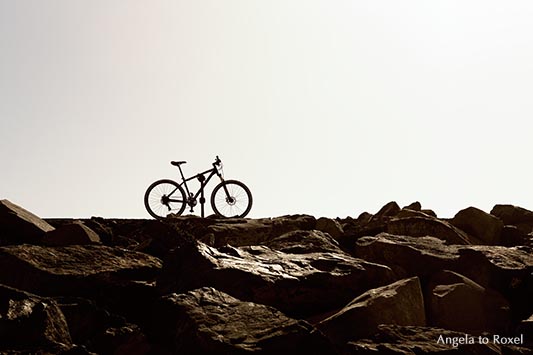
(217, 161)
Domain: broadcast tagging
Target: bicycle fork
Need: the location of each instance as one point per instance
(229, 199)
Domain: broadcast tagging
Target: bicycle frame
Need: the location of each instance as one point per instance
(203, 182)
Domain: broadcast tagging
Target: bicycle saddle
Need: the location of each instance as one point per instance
(177, 163)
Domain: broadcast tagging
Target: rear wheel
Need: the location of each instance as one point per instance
(231, 198)
(164, 197)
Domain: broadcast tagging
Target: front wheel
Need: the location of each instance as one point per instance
(164, 197)
(231, 198)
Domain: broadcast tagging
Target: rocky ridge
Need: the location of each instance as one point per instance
(400, 281)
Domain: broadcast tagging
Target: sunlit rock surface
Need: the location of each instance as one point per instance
(18, 225)
(298, 283)
(208, 321)
(400, 303)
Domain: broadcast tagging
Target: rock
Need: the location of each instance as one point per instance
(207, 321)
(304, 242)
(511, 236)
(457, 303)
(85, 318)
(100, 226)
(433, 227)
(415, 206)
(479, 224)
(484, 264)
(75, 233)
(124, 340)
(297, 284)
(506, 270)
(405, 212)
(518, 217)
(403, 340)
(18, 225)
(367, 224)
(429, 212)
(28, 321)
(404, 254)
(154, 237)
(514, 215)
(248, 232)
(308, 269)
(118, 278)
(99, 330)
(389, 210)
(356, 230)
(364, 218)
(330, 226)
(400, 303)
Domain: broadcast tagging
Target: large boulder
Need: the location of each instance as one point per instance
(406, 212)
(207, 321)
(405, 255)
(400, 303)
(75, 233)
(330, 226)
(30, 322)
(479, 224)
(389, 210)
(520, 218)
(245, 232)
(418, 226)
(299, 284)
(111, 276)
(304, 242)
(455, 302)
(18, 225)
(514, 215)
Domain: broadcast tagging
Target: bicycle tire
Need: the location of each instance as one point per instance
(156, 194)
(237, 204)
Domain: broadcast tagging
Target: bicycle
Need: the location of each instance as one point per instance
(230, 198)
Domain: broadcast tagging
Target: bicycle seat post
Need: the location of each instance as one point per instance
(178, 164)
(181, 173)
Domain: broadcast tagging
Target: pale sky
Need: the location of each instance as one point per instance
(329, 108)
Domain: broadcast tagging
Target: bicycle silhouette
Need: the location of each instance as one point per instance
(230, 198)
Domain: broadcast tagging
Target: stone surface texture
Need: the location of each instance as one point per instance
(391, 281)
